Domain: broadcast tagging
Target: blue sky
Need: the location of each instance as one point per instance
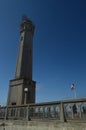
(59, 56)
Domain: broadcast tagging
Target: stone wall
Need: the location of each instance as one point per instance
(41, 125)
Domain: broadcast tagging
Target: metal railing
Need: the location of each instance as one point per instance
(59, 110)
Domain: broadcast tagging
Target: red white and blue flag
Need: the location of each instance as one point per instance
(72, 86)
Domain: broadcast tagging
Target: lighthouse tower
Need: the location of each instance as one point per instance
(22, 87)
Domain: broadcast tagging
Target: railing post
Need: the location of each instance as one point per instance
(43, 112)
(27, 112)
(15, 112)
(72, 111)
(18, 113)
(80, 110)
(62, 114)
(6, 113)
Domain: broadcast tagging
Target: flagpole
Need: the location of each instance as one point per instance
(75, 93)
(74, 89)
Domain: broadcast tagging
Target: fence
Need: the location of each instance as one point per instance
(59, 110)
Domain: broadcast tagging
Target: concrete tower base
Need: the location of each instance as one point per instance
(18, 94)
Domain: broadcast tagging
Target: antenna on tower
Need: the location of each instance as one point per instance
(24, 17)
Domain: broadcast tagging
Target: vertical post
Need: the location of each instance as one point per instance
(62, 114)
(15, 112)
(54, 111)
(72, 111)
(43, 112)
(75, 93)
(27, 112)
(80, 111)
(18, 113)
(25, 98)
(39, 112)
(6, 113)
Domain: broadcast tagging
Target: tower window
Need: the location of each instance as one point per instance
(21, 38)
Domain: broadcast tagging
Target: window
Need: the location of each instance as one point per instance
(21, 38)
